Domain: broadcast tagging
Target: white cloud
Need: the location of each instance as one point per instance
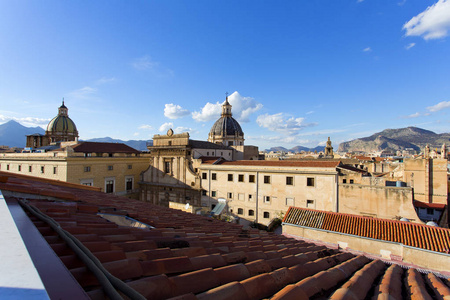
(173, 111)
(409, 46)
(166, 126)
(146, 127)
(359, 1)
(136, 134)
(416, 115)
(433, 23)
(439, 106)
(144, 63)
(26, 121)
(209, 112)
(281, 122)
(104, 80)
(181, 129)
(83, 93)
(368, 49)
(242, 108)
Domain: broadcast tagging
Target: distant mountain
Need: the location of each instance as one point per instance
(13, 134)
(397, 139)
(296, 149)
(140, 145)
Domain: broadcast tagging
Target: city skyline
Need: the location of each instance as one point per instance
(296, 73)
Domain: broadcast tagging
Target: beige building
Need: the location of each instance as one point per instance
(113, 167)
(172, 175)
(263, 190)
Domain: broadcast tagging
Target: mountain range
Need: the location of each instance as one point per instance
(296, 149)
(397, 139)
(13, 134)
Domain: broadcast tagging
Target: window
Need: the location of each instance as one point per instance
(230, 177)
(430, 211)
(203, 192)
(241, 177)
(310, 181)
(310, 204)
(109, 186)
(240, 211)
(30, 168)
(19, 168)
(230, 143)
(110, 168)
(167, 167)
(130, 167)
(289, 201)
(351, 181)
(241, 197)
(88, 182)
(344, 180)
(251, 178)
(213, 176)
(289, 180)
(230, 195)
(207, 153)
(213, 193)
(266, 199)
(55, 170)
(250, 197)
(87, 169)
(266, 179)
(170, 143)
(266, 215)
(251, 212)
(204, 175)
(42, 169)
(7, 167)
(129, 183)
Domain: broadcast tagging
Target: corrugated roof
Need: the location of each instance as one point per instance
(410, 234)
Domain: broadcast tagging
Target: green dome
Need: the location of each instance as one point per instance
(61, 127)
(62, 124)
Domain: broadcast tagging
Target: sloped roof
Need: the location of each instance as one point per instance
(283, 163)
(195, 257)
(97, 147)
(207, 145)
(410, 234)
(429, 205)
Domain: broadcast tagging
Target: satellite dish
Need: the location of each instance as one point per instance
(187, 206)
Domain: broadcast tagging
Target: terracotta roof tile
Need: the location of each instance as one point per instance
(411, 234)
(192, 257)
(282, 163)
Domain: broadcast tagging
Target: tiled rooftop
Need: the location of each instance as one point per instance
(410, 234)
(93, 147)
(283, 163)
(193, 257)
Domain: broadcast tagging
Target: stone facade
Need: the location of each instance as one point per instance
(116, 173)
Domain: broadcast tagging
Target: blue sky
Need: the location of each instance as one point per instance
(296, 71)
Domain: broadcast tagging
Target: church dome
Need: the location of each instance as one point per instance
(226, 126)
(62, 124)
(226, 130)
(61, 127)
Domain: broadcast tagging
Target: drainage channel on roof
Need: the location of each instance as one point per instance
(125, 221)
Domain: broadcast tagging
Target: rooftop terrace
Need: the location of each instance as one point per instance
(187, 256)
